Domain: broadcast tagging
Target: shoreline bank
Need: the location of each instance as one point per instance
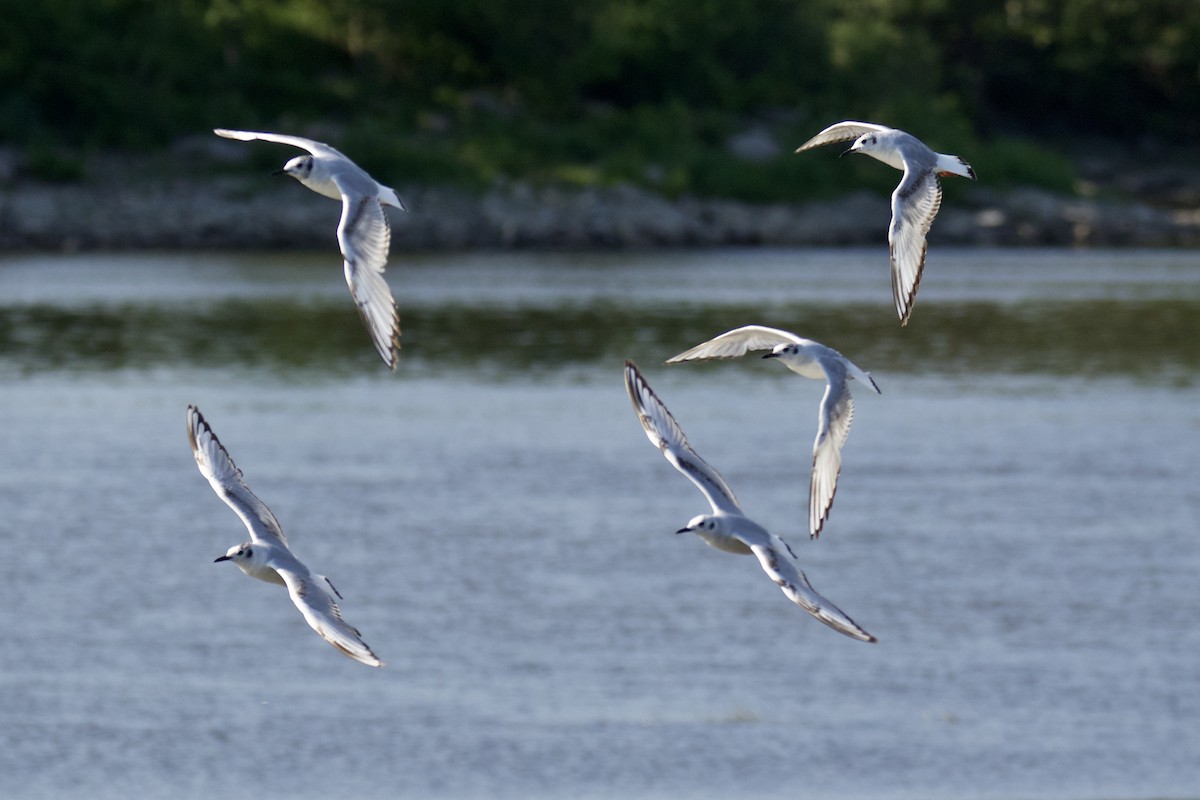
(237, 212)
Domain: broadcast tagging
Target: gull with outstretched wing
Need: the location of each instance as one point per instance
(915, 201)
(267, 556)
(812, 360)
(727, 528)
(363, 233)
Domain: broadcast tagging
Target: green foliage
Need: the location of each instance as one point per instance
(605, 91)
(1022, 162)
(54, 165)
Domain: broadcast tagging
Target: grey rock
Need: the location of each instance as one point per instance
(250, 211)
(755, 144)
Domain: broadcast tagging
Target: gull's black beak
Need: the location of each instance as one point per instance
(846, 152)
(279, 172)
(222, 558)
(771, 355)
(683, 530)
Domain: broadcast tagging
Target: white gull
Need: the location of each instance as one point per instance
(363, 233)
(812, 360)
(266, 556)
(728, 528)
(915, 201)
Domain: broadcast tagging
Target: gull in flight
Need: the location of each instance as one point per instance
(363, 234)
(915, 201)
(812, 360)
(727, 528)
(266, 556)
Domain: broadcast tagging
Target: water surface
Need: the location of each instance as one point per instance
(1016, 521)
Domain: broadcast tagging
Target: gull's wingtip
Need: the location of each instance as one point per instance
(854, 630)
(862, 635)
(848, 627)
(371, 661)
(390, 354)
(858, 634)
(634, 379)
(363, 657)
(195, 420)
(845, 626)
(228, 133)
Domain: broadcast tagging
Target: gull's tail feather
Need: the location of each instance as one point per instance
(862, 375)
(389, 197)
(954, 165)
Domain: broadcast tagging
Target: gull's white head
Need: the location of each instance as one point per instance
(240, 554)
(784, 351)
(881, 146)
(867, 143)
(704, 523)
(299, 167)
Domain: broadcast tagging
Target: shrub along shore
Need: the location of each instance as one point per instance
(600, 124)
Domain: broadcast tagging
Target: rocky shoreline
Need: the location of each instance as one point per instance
(221, 211)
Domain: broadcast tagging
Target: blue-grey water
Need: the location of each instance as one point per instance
(1017, 521)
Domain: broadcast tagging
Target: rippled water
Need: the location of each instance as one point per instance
(1016, 521)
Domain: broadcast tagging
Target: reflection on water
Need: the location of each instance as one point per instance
(1136, 338)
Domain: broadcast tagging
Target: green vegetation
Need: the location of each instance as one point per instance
(604, 91)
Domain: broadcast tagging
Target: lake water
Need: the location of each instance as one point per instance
(1017, 521)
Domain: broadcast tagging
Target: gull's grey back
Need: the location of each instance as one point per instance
(915, 153)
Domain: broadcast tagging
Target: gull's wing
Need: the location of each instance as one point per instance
(776, 561)
(321, 612)
(226, 479)
(841, 132)
(737, 342)
(914, 205)
(364, 236)
(316, 148)
(833, 426)
(665, 434)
